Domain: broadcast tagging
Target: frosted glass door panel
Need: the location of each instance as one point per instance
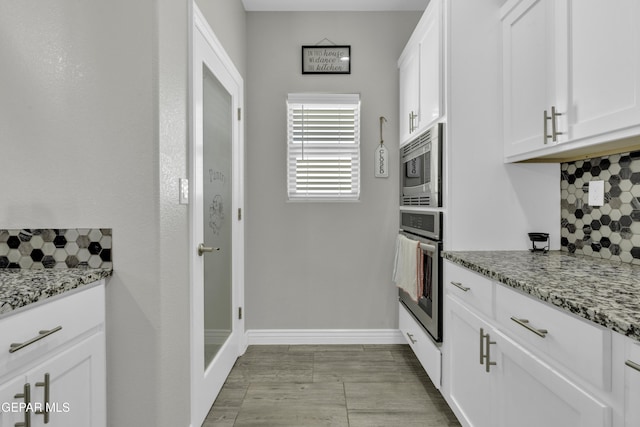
(217, 188)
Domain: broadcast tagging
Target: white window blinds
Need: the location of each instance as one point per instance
(323, 150)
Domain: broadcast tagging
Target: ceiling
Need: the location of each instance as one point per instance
(333, 5)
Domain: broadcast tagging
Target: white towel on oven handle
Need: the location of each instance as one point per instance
(406, 265)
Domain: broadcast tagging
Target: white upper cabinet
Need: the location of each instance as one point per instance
(421, 75)
(431, 67)
(601, 47)
(580, 62)
(409, 92)
(528, 73)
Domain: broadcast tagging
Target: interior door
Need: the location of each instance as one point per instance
(217, 233)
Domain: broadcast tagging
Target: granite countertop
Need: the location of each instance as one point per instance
(602, 291)
(21, 287)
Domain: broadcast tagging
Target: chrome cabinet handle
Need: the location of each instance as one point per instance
(459, 285)
(202, 249)
(546, 135)
(410, 336)
(26, 397)
(632, 365)
(41, 334)
(45, 410)
(481, 346)
(554, 124)
(487, 360)
(485, 345)
(525, 324)
(412, 117)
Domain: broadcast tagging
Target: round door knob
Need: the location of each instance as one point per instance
(202, 249)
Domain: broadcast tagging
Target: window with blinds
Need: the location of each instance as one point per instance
(323, 150)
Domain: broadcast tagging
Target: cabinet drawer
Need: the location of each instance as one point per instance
(78, 314)
(578, 345)
(472, 288)
(427, 352)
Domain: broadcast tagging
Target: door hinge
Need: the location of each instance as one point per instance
(239, 214)
(239, 312)
(239, 113)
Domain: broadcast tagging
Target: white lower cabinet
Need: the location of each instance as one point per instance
(498, 375)
(470, 387)
(632, 385)
(58, 377)
(427, 352)
(496, 382)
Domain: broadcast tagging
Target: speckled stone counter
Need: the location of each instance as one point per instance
(21, 287)
(602, 291)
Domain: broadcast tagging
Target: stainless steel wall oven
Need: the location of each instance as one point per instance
(425, 227)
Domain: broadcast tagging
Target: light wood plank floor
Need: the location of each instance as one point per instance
(329, 385)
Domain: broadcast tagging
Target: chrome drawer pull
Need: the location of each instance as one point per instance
(42, 334)
(459, 286)
(632, 365)
(411, 338)
(525, 323)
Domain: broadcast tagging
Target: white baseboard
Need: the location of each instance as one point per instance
(323, 336)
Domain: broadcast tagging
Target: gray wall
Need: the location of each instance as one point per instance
(228, 20)
(321, 265)
(93, 133)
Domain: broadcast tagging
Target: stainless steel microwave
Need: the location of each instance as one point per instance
(421, 169)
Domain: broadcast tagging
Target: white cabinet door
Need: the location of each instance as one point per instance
(431, 67)
(11, 413)
(532, 393)
(529, 75)
(409, 92)
(632, 386)
(600, 44)
(470, 387)
(76, 386)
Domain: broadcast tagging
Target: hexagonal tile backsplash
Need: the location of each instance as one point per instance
(611, 231)
(56, 248)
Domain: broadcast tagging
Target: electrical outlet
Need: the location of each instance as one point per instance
(596, 193)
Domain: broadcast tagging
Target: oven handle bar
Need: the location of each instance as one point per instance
(427, 247)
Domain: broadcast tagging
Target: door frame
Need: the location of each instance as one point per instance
(205, 386)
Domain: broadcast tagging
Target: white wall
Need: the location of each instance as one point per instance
(228, 20)
(490, 205)
(93, 133)
(321, 265)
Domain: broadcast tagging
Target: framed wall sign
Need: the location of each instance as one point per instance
(326, 59)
